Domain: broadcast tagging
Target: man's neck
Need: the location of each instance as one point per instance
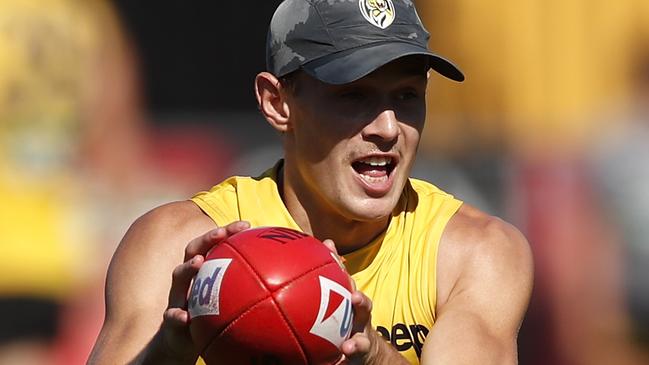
(317, 219)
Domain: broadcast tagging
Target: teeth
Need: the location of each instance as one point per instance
(376, 161)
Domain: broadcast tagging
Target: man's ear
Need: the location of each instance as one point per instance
(272, 101)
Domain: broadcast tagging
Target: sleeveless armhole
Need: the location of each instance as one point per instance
(444, 216)
(440, 208)
(254, 199)
(220, 202)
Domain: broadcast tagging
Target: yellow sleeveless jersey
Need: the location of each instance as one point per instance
(397, 270)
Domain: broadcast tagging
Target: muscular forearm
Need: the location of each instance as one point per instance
(157, 352)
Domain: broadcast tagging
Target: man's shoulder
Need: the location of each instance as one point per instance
(473, 228)
(177, 214)
(476, 242)
(173, 225)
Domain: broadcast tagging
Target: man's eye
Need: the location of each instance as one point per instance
(408, 95)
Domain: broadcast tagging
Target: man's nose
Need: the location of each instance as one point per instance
(384, 127)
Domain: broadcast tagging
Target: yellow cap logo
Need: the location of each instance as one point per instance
(378, 12)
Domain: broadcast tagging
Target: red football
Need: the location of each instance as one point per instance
(270, 296)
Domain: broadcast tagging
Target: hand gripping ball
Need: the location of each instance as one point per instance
(270, 296)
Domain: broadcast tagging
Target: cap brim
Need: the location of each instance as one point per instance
(350, 65)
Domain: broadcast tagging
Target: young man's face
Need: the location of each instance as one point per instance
(352, 146)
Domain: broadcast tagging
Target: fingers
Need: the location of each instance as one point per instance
(194, 257)
(237, 226)
(357, 346)
(176, 317)
(362, 306)
(175, 339)
(175, 325)
(330, 245)
(202, 244)
(181, 280)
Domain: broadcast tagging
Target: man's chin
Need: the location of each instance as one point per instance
(373, 209)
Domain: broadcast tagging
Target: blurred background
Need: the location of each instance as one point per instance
(109, 108)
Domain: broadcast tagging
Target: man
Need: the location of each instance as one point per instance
(345, 88)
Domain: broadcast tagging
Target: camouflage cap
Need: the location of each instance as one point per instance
(340, 41)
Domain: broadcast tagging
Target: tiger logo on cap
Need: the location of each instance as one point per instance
(378, 12)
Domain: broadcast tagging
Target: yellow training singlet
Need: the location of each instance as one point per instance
(397, 270)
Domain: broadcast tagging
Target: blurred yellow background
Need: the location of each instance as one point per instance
(539, 72)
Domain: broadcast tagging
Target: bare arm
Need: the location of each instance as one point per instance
(146, 316)
(485, 281)
(139, 279)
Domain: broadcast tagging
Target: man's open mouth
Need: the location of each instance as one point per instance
(374, 169)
